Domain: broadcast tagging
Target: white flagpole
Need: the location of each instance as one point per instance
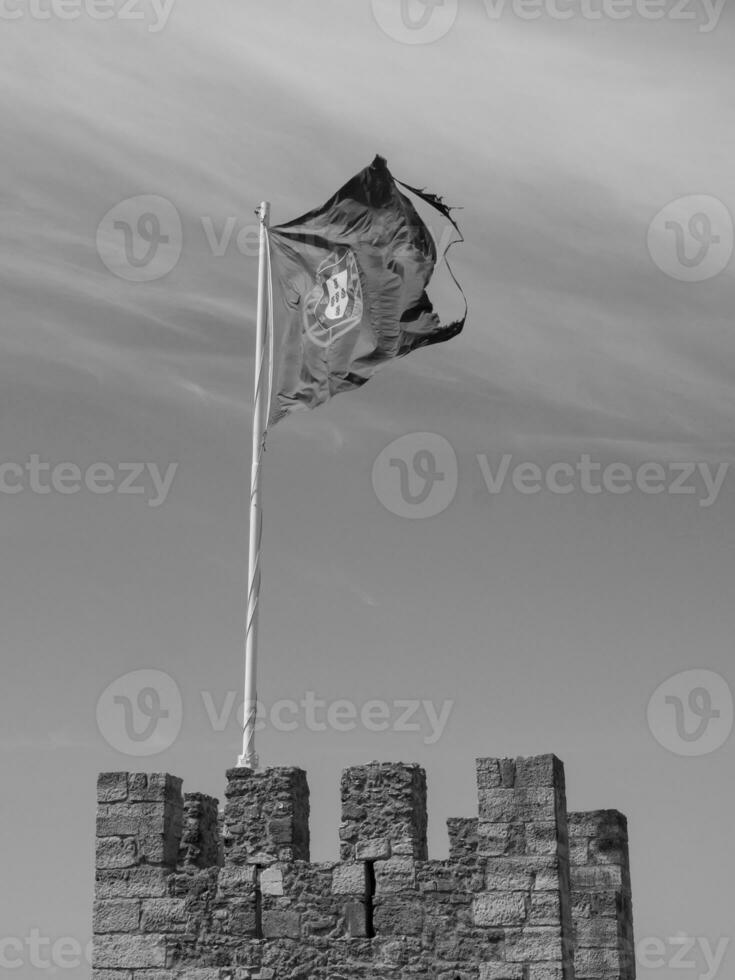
(249, 757)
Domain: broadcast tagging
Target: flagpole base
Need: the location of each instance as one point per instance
(248, 761)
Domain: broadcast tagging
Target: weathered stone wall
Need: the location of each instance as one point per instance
(601, 896)
(177, 897)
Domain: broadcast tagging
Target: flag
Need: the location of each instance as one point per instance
(351, 280)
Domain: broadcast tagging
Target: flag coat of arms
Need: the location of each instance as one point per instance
(351, 279)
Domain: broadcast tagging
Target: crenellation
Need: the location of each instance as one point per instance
(528, 892)
(383, 812)
(601, 896)
(200, 838)
(139, 821)
(266, 816)
(463, 839)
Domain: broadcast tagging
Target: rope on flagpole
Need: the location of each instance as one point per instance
(271, 340)
(264, 326)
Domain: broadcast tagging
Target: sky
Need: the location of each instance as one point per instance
(592, 157)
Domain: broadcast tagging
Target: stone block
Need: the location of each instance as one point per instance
(534, 944)
(279, 925)
(200, 838)
(513, 873)
(163, 915)
(356, 919)
(112, 787)
(545, 908)
(501, 971)
(271, 881)
(599, 963)
(242, 917)
(495, 773)
(596, 878)
(496, 839)
(349, 878)
(536, 803)
(546, 971)
(499, 908)
(129, 952)
(542, 838)
(398, 915)
(116, 852)
(463, 838)
(539, 770)
(127, 819)
(374, 850)
(116, 915)
(138, 882)
(155, 787)
(234, 881)
(207, 973)
(397, 874)
(597, 933)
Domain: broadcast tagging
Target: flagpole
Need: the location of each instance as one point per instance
(249, 757)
